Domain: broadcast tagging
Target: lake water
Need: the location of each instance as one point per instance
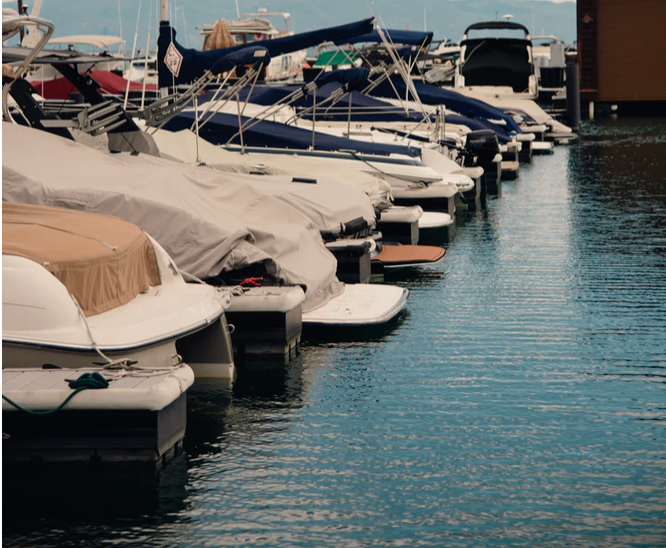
(520, 402)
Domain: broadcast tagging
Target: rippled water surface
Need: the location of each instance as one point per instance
(520, 402)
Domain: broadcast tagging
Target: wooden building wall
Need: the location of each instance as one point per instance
(622, 50)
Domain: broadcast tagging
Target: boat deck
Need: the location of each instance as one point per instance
(140, 417)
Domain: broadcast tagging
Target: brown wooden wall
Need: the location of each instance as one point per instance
(587, 48)
(622, 50)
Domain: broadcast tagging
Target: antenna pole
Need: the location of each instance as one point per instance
(120, 25)
(136, 34)
(237, 10)
(143, 87)
(533, 2)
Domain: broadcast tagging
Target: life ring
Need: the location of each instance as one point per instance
(258, 37)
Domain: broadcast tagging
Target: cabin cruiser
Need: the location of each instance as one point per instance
(501, 71)
(495, 64)
(82, 289)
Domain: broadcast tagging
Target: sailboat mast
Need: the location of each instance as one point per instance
(164, 17)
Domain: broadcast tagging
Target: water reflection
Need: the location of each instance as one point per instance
(76, 506)
(618, 177)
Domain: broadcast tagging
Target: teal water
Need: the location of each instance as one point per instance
(520, 402)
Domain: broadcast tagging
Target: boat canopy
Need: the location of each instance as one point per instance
(497, 61)
(103, 261)
(18, 54)
(222, 129)
(109, 83)
(497, 25)
(354, 78)
(98, 40)
(433, 95)
(404, 37)
(335, 58)
(190, 64)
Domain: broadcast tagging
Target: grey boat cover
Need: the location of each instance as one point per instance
(209, 222)
(328, 201)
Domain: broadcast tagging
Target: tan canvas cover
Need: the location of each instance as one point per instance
(103, 261)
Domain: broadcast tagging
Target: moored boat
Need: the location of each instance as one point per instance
(82, 289)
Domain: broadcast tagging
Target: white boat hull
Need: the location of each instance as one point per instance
(361, 305)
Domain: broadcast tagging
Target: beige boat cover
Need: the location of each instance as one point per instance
(207, 221)
(103, 261)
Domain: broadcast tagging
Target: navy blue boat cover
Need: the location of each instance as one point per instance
(354, 78)
(222, 127)
(247, 56)
(189, 64)
(405, 37)
(432, 95)
(479, 123)
(364, 107)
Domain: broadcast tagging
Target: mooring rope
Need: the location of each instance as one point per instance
(87, 381)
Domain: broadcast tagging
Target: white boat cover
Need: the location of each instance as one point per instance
(208, 222)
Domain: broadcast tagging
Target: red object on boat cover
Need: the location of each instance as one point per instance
(60, 88)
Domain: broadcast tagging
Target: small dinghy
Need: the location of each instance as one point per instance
(123, 415)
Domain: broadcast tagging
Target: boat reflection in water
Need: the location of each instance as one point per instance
(226, 424)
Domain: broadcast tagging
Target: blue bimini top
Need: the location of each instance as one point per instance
(189, 64)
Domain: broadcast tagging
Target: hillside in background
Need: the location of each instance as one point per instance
(446, 18)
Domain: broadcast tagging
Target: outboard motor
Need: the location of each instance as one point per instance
(484, 145)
